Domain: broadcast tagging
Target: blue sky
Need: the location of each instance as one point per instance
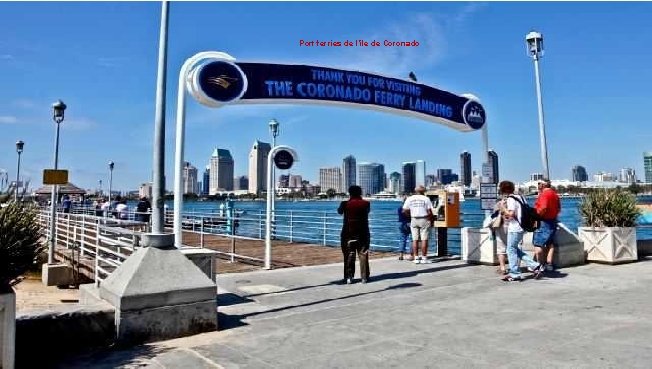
(100, 58)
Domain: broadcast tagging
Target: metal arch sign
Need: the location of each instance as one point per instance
(217, 82)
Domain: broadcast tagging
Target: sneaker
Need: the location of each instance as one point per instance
(538, 271)
(363, 280)
(417, 260)
(509, 278)
(349, 280)
(425, 260)
(549, 268)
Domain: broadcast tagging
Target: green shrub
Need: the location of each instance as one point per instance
(609, 208)
(19, 241)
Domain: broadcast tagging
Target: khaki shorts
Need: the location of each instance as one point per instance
(501, 240)
(420, 228)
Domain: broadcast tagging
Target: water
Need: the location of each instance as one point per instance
(318, 222)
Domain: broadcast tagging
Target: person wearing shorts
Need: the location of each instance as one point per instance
(548, 206)
(420, 209)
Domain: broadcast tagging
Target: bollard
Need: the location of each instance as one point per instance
(442, 241)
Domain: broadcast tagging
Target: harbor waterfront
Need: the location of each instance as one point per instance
(317, 221)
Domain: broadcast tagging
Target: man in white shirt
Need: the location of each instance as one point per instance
(419, 208)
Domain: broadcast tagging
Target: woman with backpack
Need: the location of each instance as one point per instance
(512, 213)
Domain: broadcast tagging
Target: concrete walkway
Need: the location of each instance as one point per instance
(441, 315)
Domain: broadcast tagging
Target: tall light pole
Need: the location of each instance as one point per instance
(59, 109)
(99, 181)
(158, 167)
(19, 150)
(534, 42)
(273, 129)
(111, 164)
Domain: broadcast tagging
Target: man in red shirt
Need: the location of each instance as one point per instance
(548, 206)
(355, 237)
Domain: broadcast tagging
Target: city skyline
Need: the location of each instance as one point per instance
(107, 76)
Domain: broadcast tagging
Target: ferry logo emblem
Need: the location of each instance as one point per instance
(474, 114)
(223, 81)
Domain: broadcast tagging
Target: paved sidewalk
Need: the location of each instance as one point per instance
(441, 315)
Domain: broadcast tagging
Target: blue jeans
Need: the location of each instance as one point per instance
(403, 239)
(545, 234)
(515, 254)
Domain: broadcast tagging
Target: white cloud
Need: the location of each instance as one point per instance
(8, 120)
(79, 124)
(111, 62)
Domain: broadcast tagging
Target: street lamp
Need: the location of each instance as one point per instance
(111, 164)
(58, 110)
(273, 129)
(535, 50)
(19, 150)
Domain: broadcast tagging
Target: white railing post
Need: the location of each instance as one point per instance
(324, 230)
(83, 235)
(97, 254)
(290, 226)
(260, 224)
(201, 233)
(68, 231)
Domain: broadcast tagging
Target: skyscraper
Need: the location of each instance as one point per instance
(330, 178)
(647, 166)
(628, 175)
(395, 183)
(409, 177)
(241, 183)
(465, 168)
(493, 162)
(431, 180)
(371, 177)
(295, 181)
(537, 176)
(446, 176)
(579, 174)
(283, 181)
(221, 171)
(348, 172)
(258, 166)
(189, 179)
(420, 173)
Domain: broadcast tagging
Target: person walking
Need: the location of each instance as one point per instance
(142, 209)
(421, 212)
(548, 206)
(404, 232)
(512, 213)
(66, 204)
(355, 237)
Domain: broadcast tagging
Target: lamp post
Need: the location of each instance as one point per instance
(534, 42)
(58, 109)
(99, 181)
(19, 150)
(111, 164)
(273, 129)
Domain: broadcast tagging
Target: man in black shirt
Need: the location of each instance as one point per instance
(355, 237)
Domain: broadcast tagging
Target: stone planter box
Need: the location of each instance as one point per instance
(7, 330)
(479, 245)
(610, 245)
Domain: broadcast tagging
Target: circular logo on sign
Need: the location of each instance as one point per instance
(283, 159)
(219, 82)
(474, 114)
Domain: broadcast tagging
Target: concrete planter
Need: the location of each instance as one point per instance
(7, 329)
(479, 246)
(611, 245)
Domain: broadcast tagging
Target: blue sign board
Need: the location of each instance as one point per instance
(220, 81)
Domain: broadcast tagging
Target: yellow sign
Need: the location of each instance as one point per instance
(55, 177)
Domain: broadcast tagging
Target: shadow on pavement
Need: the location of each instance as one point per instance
(233, 321)
(114, 358)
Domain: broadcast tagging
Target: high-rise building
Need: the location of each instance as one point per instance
(241, 183)
(579, 174)
(493, 163)
(628, 175)
(206, 181)
(221, 171)
(189, 179)
(330, 178)
(420, 173)
(604, 177)
(295, 181)
(348, 172)
(371, 177)
(465, 168)
(537, 176)
(283, 181)
(258, 166)
(145, 190)
(647, 166)
(395, 183)
(409, 177)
